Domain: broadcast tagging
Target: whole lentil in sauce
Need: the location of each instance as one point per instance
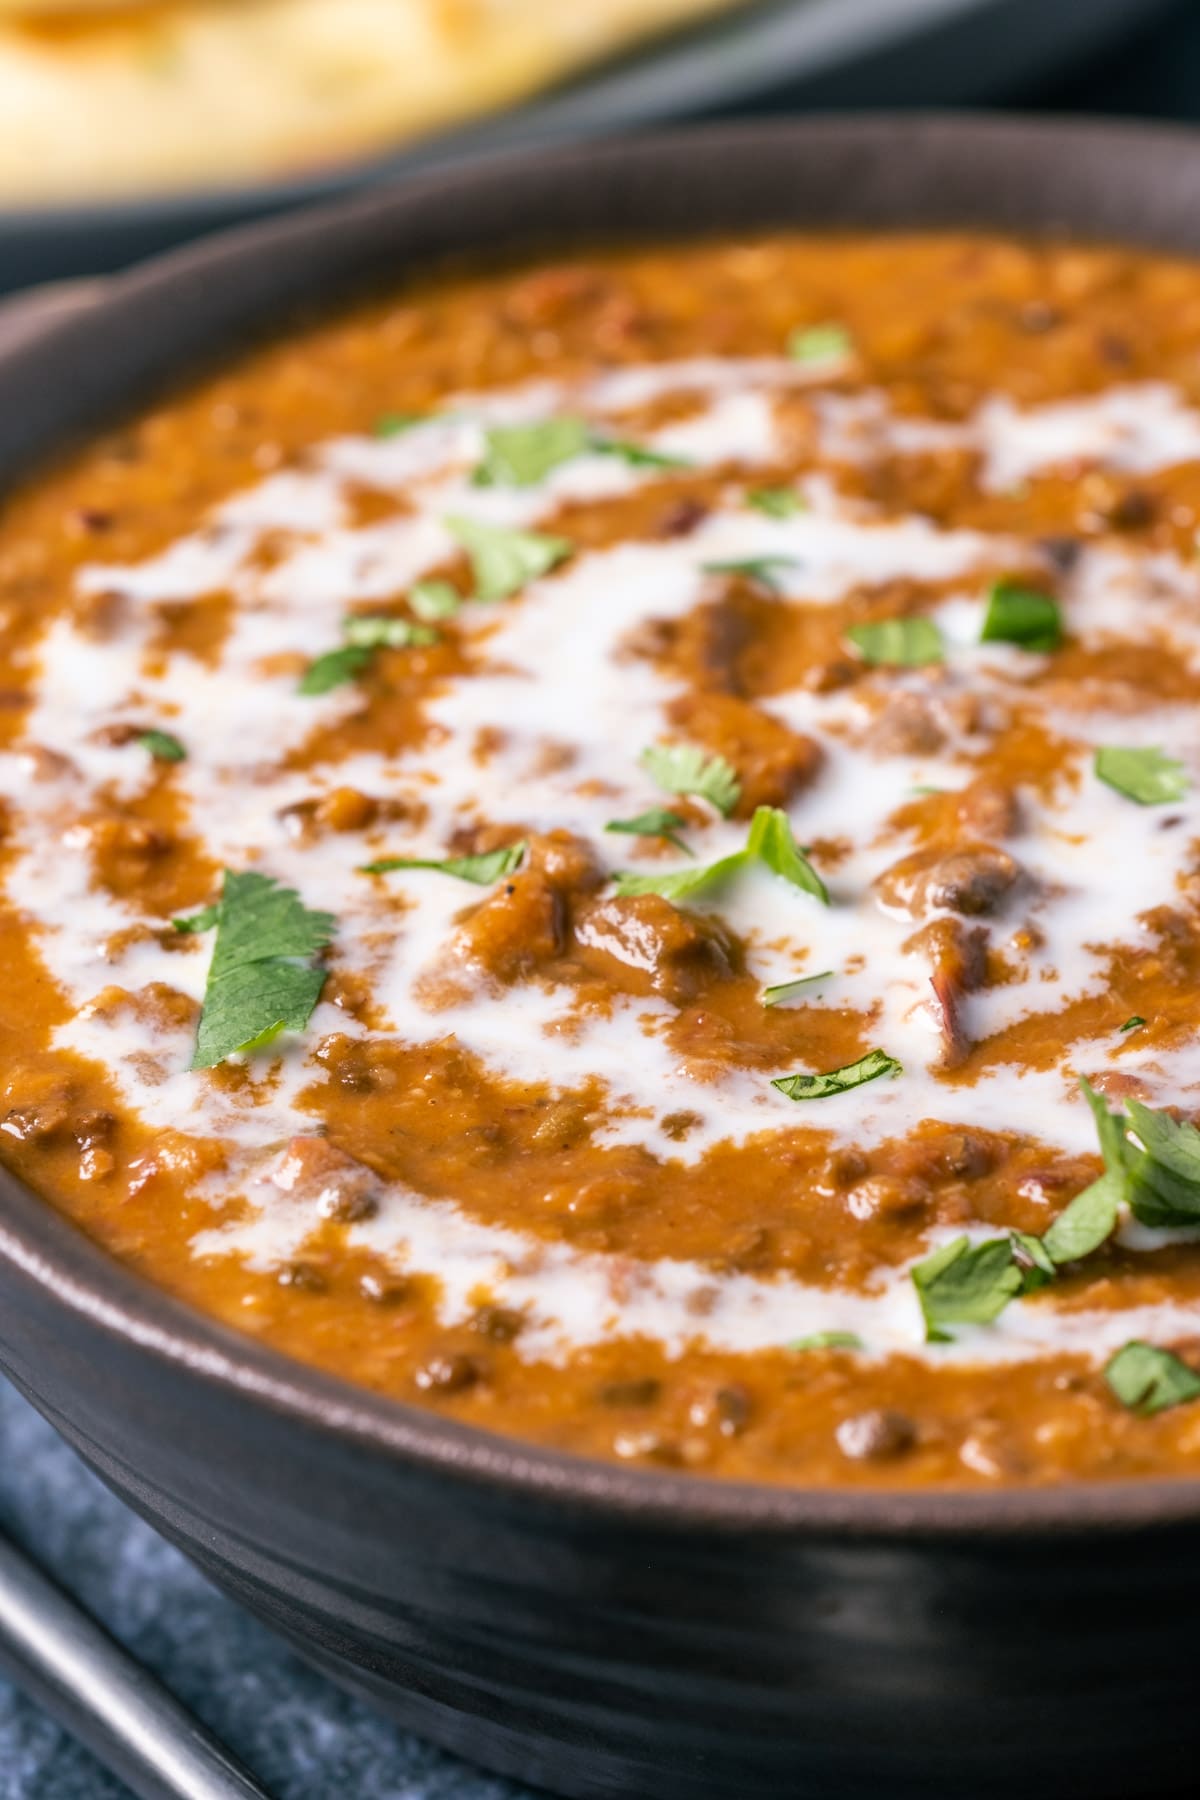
(533, 1159)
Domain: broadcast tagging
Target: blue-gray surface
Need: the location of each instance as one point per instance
(302, 1737)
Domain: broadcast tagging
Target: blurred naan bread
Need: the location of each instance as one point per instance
(35, 9)
(112, 98)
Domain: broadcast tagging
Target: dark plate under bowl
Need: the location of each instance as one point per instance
(602, 1630)
(809, 52)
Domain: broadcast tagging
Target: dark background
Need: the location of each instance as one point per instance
(1156, 75)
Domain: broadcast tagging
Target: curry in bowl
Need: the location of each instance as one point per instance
(611, 847)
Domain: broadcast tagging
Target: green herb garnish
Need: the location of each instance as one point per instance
(332, 669)
(783, 991)
(897, 643)
(204, 920)
(502, 561)
(819, 343)
(1132, 1023)
(657, 823)
(684, 769)
(1162, 1167)
(161, 746)
(827, 1340)
(1088, 1222)
(1080, 1228)
(382, 632)
(1151, 1161)
(434, 599)
(364, 633)
(971, 1284)
(776, 502)
(1022, 615)
(1032, 1258)
(769, 842)
(1147, 776)
(390, 425)
(523, 455)
(638, 456)
(679, 884)
(261, 980)
(1149, 1380)
(482, 870)
(965, 1284)
(1091, 1217)
(838, 1081)
(755, 568)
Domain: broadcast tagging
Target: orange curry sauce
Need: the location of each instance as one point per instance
(525, 1163)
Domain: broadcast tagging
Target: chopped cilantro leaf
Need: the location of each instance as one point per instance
(1151, 1160)
(755, 568)
(523, 455)
(769, 842)
(776, 502)
(1088, 1222)
(638, 456)
(657, 823)
(332, 669)
(1149, 1380)
(364, 634)
(260, 981)
(838, 1081)
(1110, 1129)
(684, 769)
(965, 1284)
(1147, 776)
(1132, 1022)
(1022, 615)
(502, 561)
(783, 991)
(394, 424)
(1032, 1258)
(162, 746)
(204, 920)
(819, 343)
(897, 643)
(433, 599)
(385, 633)
(482, 870)
(1091, 1216)
(1162, 1158)
(828, 1340)
(680, 884)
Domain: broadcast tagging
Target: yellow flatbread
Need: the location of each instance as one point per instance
(102, 99)
(67, 9)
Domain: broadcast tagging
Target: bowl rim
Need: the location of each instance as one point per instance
(54, 1258)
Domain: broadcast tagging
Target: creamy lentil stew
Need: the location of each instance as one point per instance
(697, 749)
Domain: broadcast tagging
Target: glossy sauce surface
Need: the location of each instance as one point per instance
(526, 1161)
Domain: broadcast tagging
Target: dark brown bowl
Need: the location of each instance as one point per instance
(598, 1629)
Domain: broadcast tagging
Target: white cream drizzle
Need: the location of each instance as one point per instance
(556, 674)
(1133, 430)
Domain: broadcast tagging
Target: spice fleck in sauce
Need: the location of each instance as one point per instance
(601, 847)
